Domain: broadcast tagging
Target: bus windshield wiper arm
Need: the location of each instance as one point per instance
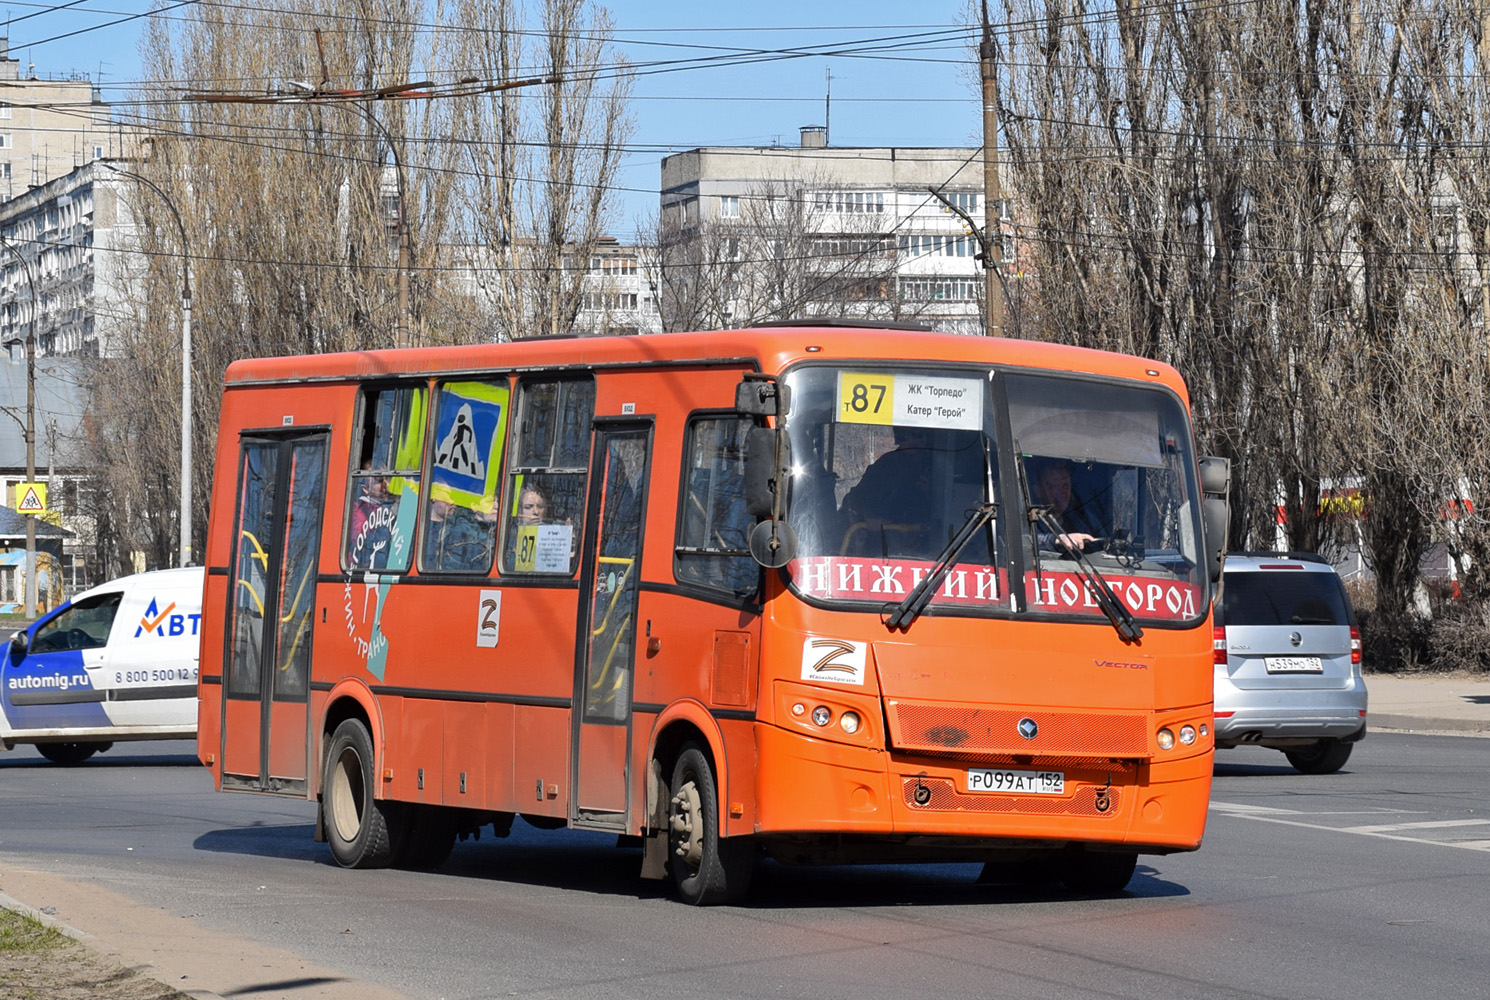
(1115, 610)
(915, 602)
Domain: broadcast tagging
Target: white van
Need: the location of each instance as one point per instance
(118, 662)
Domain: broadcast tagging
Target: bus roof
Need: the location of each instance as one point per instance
(772, 348)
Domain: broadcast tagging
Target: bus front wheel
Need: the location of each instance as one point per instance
(1099, 872)
(360, 829)
(706, 867)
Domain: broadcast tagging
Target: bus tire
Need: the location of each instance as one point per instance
(1099, 871)
(706, 868)
(360, 829)
(429, 840)
(70, 753)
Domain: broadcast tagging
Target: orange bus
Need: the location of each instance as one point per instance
(818, 592)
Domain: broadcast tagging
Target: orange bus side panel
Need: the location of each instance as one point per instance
(540, 760)
(467, 749)
(498, 791)
(420, 736)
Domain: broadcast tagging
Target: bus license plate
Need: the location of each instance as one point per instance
(1018, 782)
(1294, 665)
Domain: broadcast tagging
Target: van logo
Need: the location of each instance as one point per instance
(1295, 638)
(164, 623)
(1028, 728)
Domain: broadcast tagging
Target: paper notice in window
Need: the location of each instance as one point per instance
(552, 547)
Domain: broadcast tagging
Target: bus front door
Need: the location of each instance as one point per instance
(265, 724)
(610, 578)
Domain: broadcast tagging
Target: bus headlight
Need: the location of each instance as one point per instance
(849, 722)
(1187, 735)
(821, 715)
(1166, 738)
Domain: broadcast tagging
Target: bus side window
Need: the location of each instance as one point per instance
(384, 487)
(544, 506)
(465, 475)
(714, 525)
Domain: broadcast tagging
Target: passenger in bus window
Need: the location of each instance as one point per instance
(1054, 489)
(457, 538)
(373, 513)
(532, 506)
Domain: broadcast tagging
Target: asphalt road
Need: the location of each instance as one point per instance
(1368, 883)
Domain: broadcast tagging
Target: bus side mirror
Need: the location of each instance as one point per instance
(19, 643)
(762, 396)
(762, 477)
(1215, 511)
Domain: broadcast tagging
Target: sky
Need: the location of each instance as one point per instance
(907, 82)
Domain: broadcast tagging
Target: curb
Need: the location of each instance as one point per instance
(97, 946)
(1418, 724)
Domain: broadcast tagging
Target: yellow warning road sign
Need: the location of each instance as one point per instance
(31, 498)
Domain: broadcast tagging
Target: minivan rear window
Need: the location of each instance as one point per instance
(1283, 599)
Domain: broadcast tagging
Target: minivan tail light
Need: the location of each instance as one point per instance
(1355, 645)
(1218, 644)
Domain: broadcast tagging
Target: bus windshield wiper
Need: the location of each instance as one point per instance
(1115, 610)
(915, 602)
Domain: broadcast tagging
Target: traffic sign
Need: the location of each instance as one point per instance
(31, 498)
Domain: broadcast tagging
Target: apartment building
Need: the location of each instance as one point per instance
(818, 230)
(48, 127)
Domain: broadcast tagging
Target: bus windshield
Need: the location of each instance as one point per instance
(888, 465)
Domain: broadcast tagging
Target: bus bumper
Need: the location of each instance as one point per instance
(808, 786)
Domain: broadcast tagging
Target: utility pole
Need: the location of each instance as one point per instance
(993, 242)
(30, 596)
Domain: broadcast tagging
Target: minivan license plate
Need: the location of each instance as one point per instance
(1019, 782)
(1294, 665)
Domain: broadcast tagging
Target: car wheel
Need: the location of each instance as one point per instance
(1324, 757)
(70, 753)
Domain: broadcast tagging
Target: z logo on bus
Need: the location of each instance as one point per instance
(837, 661)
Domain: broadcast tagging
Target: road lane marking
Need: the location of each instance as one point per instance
(1270, 814)
(1433, 825)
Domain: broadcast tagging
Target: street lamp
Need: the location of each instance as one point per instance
(30, 421)
(402, 334)
(185, 518)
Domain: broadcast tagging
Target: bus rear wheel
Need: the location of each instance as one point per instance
(706, 868)
(70, 753)
(430, 839)
(360, 829)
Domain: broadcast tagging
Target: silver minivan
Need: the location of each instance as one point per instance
(1288, 660)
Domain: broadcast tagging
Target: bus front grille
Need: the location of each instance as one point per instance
(940, 728)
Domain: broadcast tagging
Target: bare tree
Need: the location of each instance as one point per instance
(537, 194)
(1286, 200)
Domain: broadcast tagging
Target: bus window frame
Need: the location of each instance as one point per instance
(355, 472)
(506, 539)
(1007, 492)
(705, 591)
(1023, 562)
(426, 501)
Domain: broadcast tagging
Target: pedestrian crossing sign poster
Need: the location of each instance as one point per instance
(470, 428)
(31, 498)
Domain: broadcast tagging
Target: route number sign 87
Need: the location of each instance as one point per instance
(865, 398)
